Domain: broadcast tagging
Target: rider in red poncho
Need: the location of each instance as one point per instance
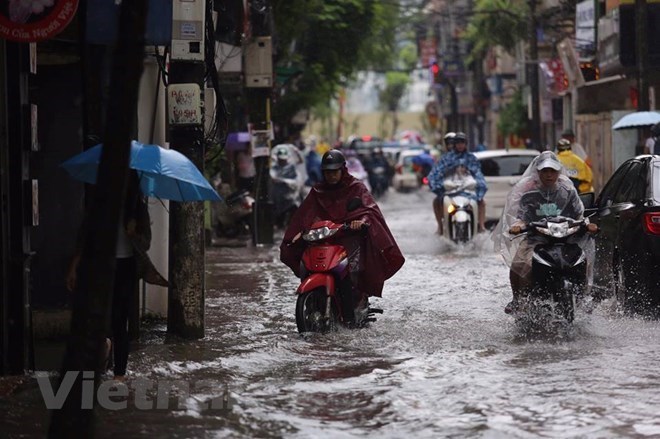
(342, 198)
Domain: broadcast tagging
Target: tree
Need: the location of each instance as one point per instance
(396, 84)
(496, 23)
(329, 41)
(513, 117)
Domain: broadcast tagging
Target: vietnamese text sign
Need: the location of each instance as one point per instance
(33, 21)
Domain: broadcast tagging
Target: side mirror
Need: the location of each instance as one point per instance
(588, 199)
(353, 204)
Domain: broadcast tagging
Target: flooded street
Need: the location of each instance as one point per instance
(442, 361)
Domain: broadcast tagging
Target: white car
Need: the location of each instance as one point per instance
(405, 177)
(502, 169)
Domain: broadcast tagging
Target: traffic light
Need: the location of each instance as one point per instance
(435, 72)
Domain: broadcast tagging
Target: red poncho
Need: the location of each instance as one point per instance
(382, 257)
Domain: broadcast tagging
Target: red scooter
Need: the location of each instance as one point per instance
(325, 298)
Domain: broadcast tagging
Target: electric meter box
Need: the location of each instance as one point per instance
(188, 30)
(259, 62)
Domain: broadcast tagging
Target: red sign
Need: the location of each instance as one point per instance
(561, 81)
(35, 20)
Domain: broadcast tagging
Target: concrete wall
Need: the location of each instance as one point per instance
(607, 148)
(368, 124)
(152, 129)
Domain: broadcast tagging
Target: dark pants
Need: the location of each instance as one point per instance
(125, 282)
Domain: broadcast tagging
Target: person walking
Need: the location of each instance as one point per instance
(132, 263)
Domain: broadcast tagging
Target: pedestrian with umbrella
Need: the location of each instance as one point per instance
(154, 171)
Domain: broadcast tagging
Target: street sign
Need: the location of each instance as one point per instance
(30, 22)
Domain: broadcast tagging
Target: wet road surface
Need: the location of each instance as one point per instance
(442, 361)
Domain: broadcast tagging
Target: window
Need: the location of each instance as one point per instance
(505, 166)
(633, 186)
(606, 197)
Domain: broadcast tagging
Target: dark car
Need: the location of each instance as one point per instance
(365, 145)
(628, 245)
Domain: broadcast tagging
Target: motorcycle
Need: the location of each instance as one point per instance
(285, 193)
(460, 207)
(379, 183)
(325, 296)
(233, 216)
(559, 270)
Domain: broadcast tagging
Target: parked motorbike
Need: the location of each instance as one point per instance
(559, 270)
(325, 296)
(460, 207)
(285, 193)
(233, 216)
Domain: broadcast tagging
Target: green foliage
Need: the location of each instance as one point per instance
(329, 41)
(408, 56)
(513, 117)
(395, 87)
(496, 23)
(396, 84)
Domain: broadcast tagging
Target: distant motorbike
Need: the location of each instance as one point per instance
(233, 216)
(559, 270)
(460, 207)
(379, 181)
(325, 296)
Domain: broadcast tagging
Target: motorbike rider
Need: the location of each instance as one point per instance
(577, 170)
(448, 163)
(448, 139)
(543, 191)
(576, 147)
(378, 180)
(374, 255)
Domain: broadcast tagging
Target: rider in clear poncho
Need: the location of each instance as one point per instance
(543, 191)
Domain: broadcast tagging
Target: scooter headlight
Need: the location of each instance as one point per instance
(451, 208)
(319, 234)
(558, 230)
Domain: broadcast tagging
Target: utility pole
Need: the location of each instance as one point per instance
(259, 81)
(641, 54)
(185, 310)
(92, 305)
(533, 76)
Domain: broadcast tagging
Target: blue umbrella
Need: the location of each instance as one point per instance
(424, 159)
(163, 173)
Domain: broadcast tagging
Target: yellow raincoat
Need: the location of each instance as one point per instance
(577, 169)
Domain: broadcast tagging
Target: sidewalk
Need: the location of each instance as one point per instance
(23, 412)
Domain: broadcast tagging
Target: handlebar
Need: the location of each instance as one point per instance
(582, 223)
(347, 226)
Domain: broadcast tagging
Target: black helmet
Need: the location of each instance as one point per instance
(332, 160)
(460, 137)
(563, 144)
(655, 130)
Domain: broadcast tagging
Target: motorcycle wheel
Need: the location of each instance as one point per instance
(461, 232)
(566, 308)
(310, 312)
(226, 231)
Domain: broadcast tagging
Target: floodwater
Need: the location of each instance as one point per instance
(442, 361)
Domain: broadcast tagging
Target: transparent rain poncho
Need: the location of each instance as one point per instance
(538, 202)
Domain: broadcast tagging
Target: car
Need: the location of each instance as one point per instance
(364, 145)
(405, 178)
(502, 168)
(627, 259)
